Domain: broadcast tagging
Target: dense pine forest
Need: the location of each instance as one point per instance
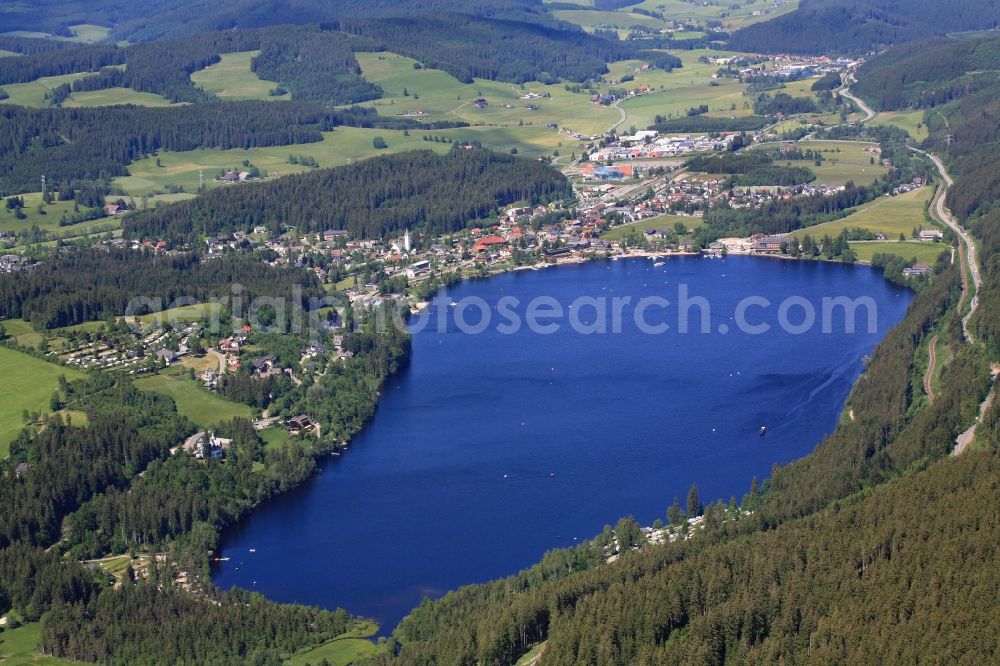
(165, 18)
(370, 199)
(90, 284)
(859, 26)
(114, 486)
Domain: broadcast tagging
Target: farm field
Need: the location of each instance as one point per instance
(889, 215)
(112, 96)
(842, 162)
(440, 96)
(926, 253)
(232, 78)
(47, 220)
(591, 19)
(184, 313)
(28, 385)
(911, 121)
(732, 15)
(660, 223)
(89, 33)
(202, 407)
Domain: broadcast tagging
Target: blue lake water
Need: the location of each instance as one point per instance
(490, 449)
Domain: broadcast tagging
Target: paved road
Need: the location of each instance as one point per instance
(931, 364)
(869, 113)
(966, 246)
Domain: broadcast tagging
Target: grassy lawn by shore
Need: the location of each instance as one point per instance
(889, 215)
(232, 78)
(28, 385)
(925, 253)
(202, 407)
(660, 223)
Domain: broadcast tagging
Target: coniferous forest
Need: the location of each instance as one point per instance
(437, 193)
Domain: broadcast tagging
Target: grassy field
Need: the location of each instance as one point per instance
(889, 215)
(112, 96)
(911, 121)
(26, 336)
(926, 253)
(732, 15)
(659, 223)
(202, 407)
(47, 219)
(337, 148)
(33, 93)
(232, 78)
(441, 96)
(842, 162)
(88, 32)
(28, 385)
(184, 313)
(342, 650)
(594, 18)
(21, 332)
(18, 647)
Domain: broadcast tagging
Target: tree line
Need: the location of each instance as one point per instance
(87, 284)
(97, 144)
(370, 199)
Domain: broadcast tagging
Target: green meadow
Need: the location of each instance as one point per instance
(19, 647)
(33, 93)
(202, 407)
(842, 162)
(911, 121)
(232, 78)
(732, 15)
(889, 215)
(340, 651)
(440, 96)
(112, 96)
(28, 385)
(926, 253)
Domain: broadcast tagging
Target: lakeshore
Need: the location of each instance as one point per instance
(428, 471)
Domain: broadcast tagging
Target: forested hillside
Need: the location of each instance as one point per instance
(467, 47)
(369, 199)
(316, 63)
(858, 26)
(929, 73)
(167, 18)
(96, 144)
(86, 285)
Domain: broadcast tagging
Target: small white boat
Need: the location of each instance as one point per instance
(658, 264)
(253, 550)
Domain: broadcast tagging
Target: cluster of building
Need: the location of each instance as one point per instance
(649, 144)
(11, 263)
(130, 351)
